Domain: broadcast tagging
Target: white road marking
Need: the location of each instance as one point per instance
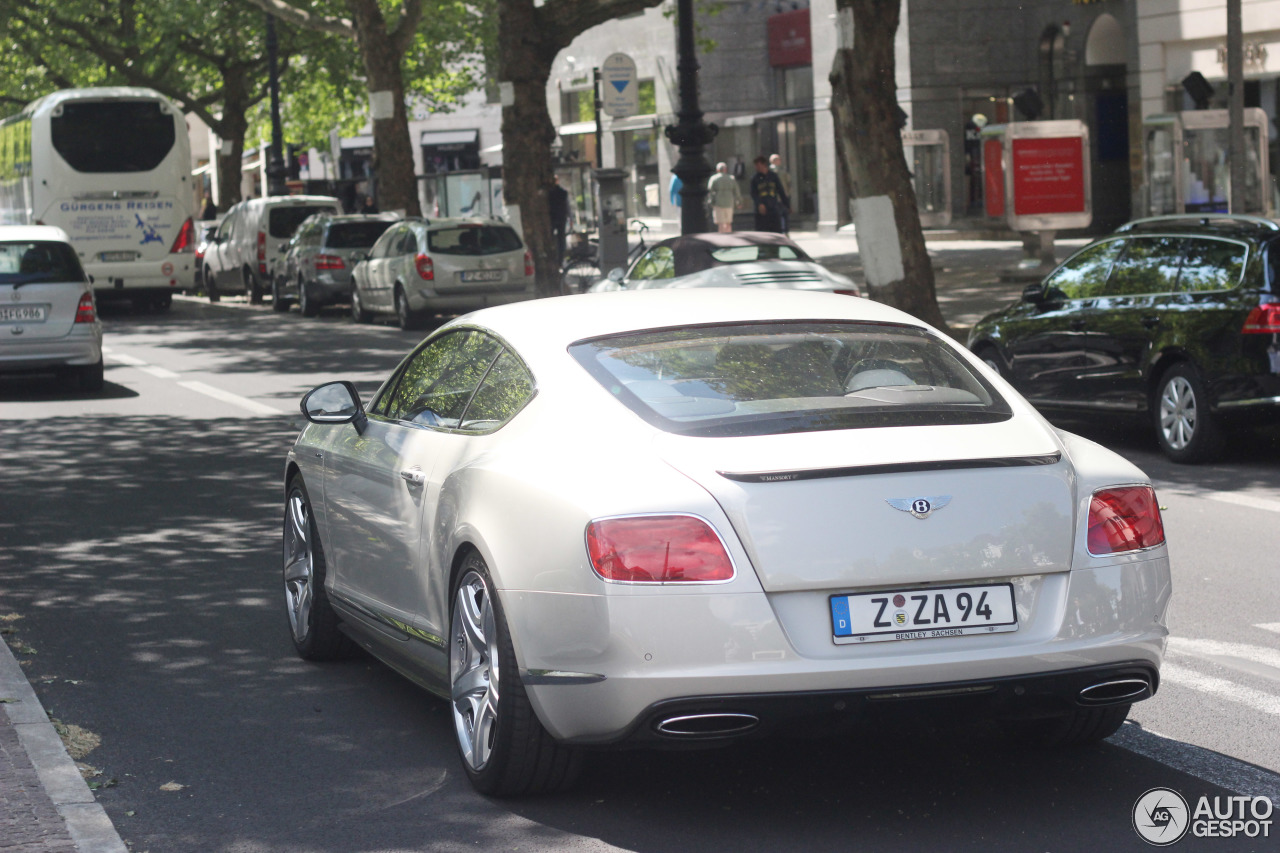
(1267, 504)
(1257, 700)
(121, 358)
(1213, 767)
(1215, 648)
(1269, 626)
(158, 372)
(234, 399)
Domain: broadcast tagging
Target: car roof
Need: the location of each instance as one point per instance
(540, 328)
(1218, 224)
(456, 221)
(692, 252)
(45, 233)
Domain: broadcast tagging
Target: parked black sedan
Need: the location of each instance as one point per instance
(1174, 317)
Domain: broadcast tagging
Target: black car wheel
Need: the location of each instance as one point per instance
(306, 303)
(358, 313)
(505, 750)
(1081, 727)
(211, 285)
(406, 316)
(313, 624)
(253, 287)
(991, 358)
(1184, 425)
(278, 302)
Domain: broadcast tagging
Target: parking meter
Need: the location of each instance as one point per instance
(612, 197)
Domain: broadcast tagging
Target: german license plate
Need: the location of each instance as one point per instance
(483, 275)
(23, 313)
(921, 614)
(109, 257)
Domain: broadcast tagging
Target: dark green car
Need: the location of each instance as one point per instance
(1174, 317)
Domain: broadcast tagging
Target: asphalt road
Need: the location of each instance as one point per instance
(140, 545)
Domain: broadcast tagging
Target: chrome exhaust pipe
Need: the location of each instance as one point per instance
(1115, 691)
(707, 725)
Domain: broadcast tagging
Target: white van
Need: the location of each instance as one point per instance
(252, 240)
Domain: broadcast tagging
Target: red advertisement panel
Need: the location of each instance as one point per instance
(1048, 176)
(789, 43)
(993, 176)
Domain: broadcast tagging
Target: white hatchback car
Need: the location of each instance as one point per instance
(668, 517)
(424, 266)
(48, 318)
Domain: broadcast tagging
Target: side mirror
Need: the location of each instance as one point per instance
(1033, 293)
(617, 274)
(335, 403)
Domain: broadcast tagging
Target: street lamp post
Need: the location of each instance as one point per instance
(690, 133)
(275, 159)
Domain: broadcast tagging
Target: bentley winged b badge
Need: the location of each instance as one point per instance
(919, 507)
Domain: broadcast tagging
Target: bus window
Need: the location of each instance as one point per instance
(113, 136)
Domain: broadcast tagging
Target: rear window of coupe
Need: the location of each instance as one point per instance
(39, 262)
(769, 378)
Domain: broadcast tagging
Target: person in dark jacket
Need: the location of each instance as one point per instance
(770, 198)
(558, 202)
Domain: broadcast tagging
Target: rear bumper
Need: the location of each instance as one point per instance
(597, 668)
(79, 348)
(457, 299)
(142, 275)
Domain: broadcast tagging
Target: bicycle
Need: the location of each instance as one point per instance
(581, 266)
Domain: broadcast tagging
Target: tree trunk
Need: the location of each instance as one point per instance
(864, 104)
(526, 54)
(231, 128)
(397, 186)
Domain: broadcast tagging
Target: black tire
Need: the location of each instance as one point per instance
(315, 633)
(278, 302)
(1082, 727)
(406, 317)
(306, 304)
(1185, 428)
(521, 757)
(991, 357)
(87, 378)
(358, 314)
(211, 285)
(578, 275)
(252, 286)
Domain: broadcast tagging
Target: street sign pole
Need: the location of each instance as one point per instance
(690, 133)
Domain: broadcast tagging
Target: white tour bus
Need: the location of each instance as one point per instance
(112, 168)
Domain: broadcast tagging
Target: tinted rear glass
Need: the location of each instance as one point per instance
(748, 254)
(283, 221)
(113, 136)
(473, 240)
(38, 262)
(355, 235)
(761, 379)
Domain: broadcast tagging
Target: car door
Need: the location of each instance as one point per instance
(377, 481)
(373, 295)
(1046, 339)
(222, 251)
(1126, 319)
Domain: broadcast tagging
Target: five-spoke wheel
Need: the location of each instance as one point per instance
(1184, 426)
(474, 671)
(312, 622)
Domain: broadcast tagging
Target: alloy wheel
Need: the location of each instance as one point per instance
(473, 671)
(299, 566)
(1178, 412)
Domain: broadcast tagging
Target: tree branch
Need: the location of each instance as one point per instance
(567, 19)
(407, 27)
(306, 20)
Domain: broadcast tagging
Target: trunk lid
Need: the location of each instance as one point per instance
(832, 510)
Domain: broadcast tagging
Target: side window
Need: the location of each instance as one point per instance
(228, 226)
(658, 262)
(410, 244)
(500, 396)
(1212, 265)
(438, 381)
(1085, 274)
(1148, 265)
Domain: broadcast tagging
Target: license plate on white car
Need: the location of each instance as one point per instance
(920, 614)
(23, 313)
(111, 257)
(483, 275)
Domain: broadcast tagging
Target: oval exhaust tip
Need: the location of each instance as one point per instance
(707, 725)
(1113, 692)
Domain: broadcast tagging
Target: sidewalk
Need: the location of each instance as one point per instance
(45, 805)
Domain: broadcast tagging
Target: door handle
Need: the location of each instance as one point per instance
(1151, 321)
(414, 475)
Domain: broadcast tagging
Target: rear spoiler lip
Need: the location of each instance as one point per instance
(890, 468)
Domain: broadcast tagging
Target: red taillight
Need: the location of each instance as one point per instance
(847, 292)
(426, 269)
(85, 312)
(657, 549)
(1263, 320)
(1126, 519)
(262, 252)
(528, 263)
(329, 262)
(185, 241)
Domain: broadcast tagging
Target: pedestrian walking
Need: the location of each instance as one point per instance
(775, 166)
(558, 202)
(725, 197)
(210, 210)
(676, 186)
(769, 197)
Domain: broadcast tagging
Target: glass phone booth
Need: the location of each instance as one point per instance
(1186, 163)
(929, 158)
